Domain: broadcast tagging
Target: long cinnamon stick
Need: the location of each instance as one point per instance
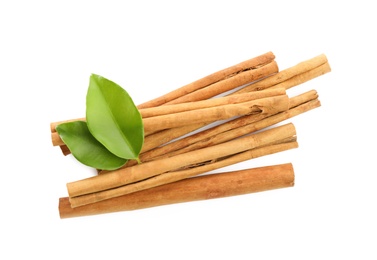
(232, 129)
(185, 172)
(208, 114)
(218, 76)
(217, 113)
(184, 107)
(207, 103)
(231, 83)
(204, 187)
(162, 137)
(149, 169)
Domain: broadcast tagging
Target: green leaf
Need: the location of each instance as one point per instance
(113, 119)
(85, 148)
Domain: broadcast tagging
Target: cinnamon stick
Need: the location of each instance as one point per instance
(292, 76)
(185, 172)
(228, 84)
(184, 107)
(215, 111)
(232, 129)
(207, 103)
(295, 75)
(204, 187)
(288, 78)
(304, 77)
(146, 170)
(216, 77)
(253, 64)
(162, 137)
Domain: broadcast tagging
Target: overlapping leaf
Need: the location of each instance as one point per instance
(85, 148)
(113, 131)
(113, 119)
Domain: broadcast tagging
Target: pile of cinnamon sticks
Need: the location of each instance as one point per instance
(227, 117)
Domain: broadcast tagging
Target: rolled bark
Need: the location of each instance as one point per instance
(269, 105)
(231, 129)
(251, 64)
(146, 170)
(286, 79)
(185, 172)
(228, 84)
(292, 76)
(212, 102)
(209, 114)
(205, 187)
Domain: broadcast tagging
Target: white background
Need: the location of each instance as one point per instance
(48, 50)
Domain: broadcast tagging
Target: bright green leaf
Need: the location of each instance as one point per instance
(113, 119)
(85, 148)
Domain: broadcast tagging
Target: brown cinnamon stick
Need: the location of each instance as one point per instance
(292, 76)
(146, 170)
(251, 64)
(288, 78)
(185, 172)
(228, 84)
(208, 115)
(232, 129)
(295, 75)
(204, 187)
(156, 139)
(213, 113)
(207, 103)
(184, 107)
(304, 77)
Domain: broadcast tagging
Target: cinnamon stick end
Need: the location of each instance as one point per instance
(65, 150)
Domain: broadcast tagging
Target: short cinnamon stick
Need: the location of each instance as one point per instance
(304, 77)
(204, 187)
(292, 76)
